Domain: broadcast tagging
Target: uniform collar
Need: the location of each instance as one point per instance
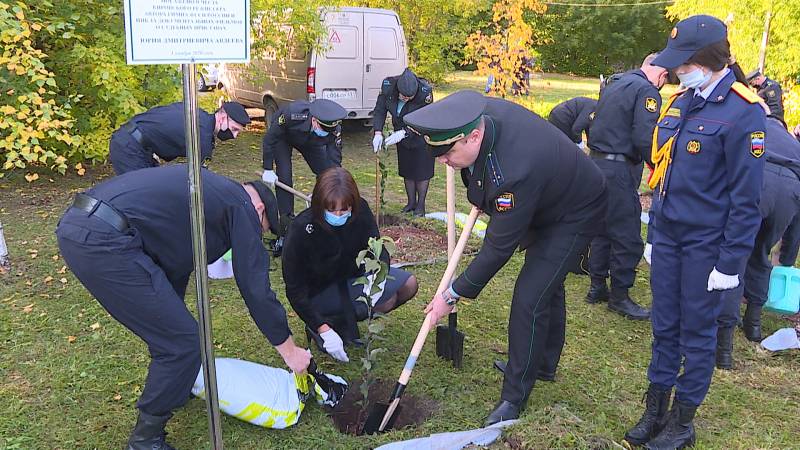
(639, 72)
(475, 188)
(706, 93)
(717, 94)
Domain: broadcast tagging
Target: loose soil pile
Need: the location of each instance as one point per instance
(349, 415)
(416, 242)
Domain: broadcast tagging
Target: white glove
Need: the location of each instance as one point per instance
(333, 345)
(721, 282)
(395, 137)
(377, 142)
(648, 253)
(269, 177)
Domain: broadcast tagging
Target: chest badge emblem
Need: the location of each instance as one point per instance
(693, 147)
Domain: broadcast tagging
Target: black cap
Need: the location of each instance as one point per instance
(407, 83)
(689, 36)
(236, 112)
(447, 121)
(753, 74)
(270, 204)
(328, 113)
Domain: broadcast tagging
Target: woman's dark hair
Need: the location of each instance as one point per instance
(714, 56)
(335, 187)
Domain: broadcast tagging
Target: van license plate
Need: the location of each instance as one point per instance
(339, 94)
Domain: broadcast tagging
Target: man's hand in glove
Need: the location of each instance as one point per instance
(377, 142)
(333, 345)
(718, 281)
(395, 137)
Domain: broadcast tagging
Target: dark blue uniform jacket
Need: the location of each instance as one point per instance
(625, 117)
(156, 204)
(163, 130)
(714, 180)
(291, 128)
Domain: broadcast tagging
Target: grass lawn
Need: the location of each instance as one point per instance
(71, 374)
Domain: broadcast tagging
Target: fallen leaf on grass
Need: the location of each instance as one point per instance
(63, 280)
(48, 279)
(28, 308)
(117, 397)
(71, 339)
(62, 270)
(55, 257)
(95, 325)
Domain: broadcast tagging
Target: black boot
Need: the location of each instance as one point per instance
(502, 411)
(598, 291)
(751, 325)
(679, 432)
(725, 348)
(653, 419)
(149, 434)
(621, 303)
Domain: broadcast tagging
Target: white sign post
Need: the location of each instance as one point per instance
(187, 32)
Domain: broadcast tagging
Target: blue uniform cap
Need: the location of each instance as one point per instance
(236, 112)
(407, 83)
(270, 205)
(447, 121)
(328, 113)
(689, 36)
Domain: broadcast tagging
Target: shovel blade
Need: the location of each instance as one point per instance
(375, 417)
(450, 345)
(443, 342)
(457, 348)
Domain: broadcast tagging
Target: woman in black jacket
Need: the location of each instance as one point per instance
(319, 264)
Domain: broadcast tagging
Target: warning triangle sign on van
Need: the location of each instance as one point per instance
(335, 39)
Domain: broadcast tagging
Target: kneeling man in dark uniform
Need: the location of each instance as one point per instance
(129, 241)
(543, 195)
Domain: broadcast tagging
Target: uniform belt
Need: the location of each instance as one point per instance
(101, 210)
(135, 133)
(781, 171)
(609, 156)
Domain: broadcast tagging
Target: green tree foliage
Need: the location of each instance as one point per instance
(79, 45)
(594, 40)
(436, 30)
(744, 34)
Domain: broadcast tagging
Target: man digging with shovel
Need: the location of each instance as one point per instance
(543, 195)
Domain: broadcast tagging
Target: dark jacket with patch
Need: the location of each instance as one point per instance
(291, 127)
(388, 101)
(573, 117)
(316, 255)
(530, 179)
(163, 133)
(772, 94)
(625, 117)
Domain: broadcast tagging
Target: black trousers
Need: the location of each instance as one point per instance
(536, 325)
(619, 247)
(139, 295)
(126, 154)
(318, 157)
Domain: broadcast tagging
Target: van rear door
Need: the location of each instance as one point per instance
(341, 79)
(385, 53)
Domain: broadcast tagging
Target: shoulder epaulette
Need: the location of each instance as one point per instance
(745, 92)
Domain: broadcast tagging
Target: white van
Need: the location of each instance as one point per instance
(364, 46)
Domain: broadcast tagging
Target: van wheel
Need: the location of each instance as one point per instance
(270, 108)
(201, 83)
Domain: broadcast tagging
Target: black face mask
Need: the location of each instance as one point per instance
(224, 135)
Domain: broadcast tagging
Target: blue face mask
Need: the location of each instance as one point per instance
(320, 132)
(694, 79)
(336, 221)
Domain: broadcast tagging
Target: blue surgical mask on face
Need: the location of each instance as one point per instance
(694, 79)
(320, 132)
(336, 221)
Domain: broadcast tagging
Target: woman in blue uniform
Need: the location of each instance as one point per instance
(707, 149)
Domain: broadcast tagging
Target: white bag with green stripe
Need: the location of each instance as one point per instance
(265, 396)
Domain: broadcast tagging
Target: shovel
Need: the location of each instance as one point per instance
(450, 341)
(294, 191)
(382, 415)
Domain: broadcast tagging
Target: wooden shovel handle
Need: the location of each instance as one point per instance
(292, 190)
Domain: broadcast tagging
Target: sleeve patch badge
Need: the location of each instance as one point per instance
(504, 202)
(693, 147)
(771, 93)
(281, 119)
(651, 104)
(757, 143)
(591, 116)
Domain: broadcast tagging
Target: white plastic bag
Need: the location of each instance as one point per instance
(265, 396)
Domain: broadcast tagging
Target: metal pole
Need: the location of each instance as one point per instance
(762, 55)
(199, 246)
